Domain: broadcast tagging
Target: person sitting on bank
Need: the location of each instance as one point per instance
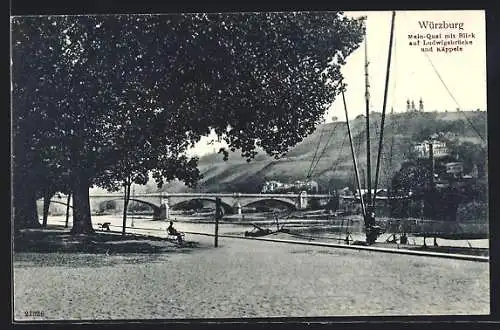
(172, 231)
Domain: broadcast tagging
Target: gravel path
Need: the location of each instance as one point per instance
(244, 278)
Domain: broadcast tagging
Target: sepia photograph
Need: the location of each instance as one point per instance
(249, 165)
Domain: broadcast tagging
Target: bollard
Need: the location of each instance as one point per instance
(216, 232)
(218, 215)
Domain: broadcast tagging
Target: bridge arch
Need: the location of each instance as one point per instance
(288, 203)
(58, 202)
(153, 206)
(157, 210)
(226, 208)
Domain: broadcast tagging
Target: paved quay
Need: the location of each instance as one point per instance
(246, 278)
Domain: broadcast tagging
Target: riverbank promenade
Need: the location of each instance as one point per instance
(244, 279)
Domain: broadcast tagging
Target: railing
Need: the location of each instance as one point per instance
(233, 195)
(422, 226)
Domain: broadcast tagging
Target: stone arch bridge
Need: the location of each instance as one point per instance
(232, 203)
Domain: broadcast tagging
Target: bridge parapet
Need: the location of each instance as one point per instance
(166, 195)
(232, 202)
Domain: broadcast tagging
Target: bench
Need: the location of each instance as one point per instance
(179, 237)
(104, 226)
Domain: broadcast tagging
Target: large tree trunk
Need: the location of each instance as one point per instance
(24, 191)
(82, 222)
(46, 204)
(24, 208)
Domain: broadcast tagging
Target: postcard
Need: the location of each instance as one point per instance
(241, 166)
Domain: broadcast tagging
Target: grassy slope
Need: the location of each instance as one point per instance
(335, 166)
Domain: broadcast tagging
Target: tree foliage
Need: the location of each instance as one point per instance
(119, 96)
(412, 177)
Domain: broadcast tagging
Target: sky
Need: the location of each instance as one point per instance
(412, 75)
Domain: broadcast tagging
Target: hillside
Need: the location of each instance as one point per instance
(334, 169)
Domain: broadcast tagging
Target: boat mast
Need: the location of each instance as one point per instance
(391, 145)
(367, 102)
(380, 142)
(356, 172)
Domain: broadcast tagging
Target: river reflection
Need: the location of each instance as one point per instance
(143, 224)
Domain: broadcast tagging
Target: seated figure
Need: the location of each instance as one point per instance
(172, 231)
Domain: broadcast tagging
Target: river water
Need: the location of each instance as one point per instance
(313, 229)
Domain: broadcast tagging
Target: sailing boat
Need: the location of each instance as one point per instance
(367, 202)
(372, 231)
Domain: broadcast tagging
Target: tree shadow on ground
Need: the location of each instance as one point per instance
(78, 260)
(58, 240)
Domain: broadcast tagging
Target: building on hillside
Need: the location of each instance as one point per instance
(410, 106)
(439, 149)
(298, 186)
(380, 192)
(444, 135)
(455, 169)
(270, 186)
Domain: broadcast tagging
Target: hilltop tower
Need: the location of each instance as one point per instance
(408, 105)
(421, 105)
(413, 106)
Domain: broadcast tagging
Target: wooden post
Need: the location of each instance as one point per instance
(125, 205)
(340, 230)
(132, 216)
(218, 215)
(67, 210)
